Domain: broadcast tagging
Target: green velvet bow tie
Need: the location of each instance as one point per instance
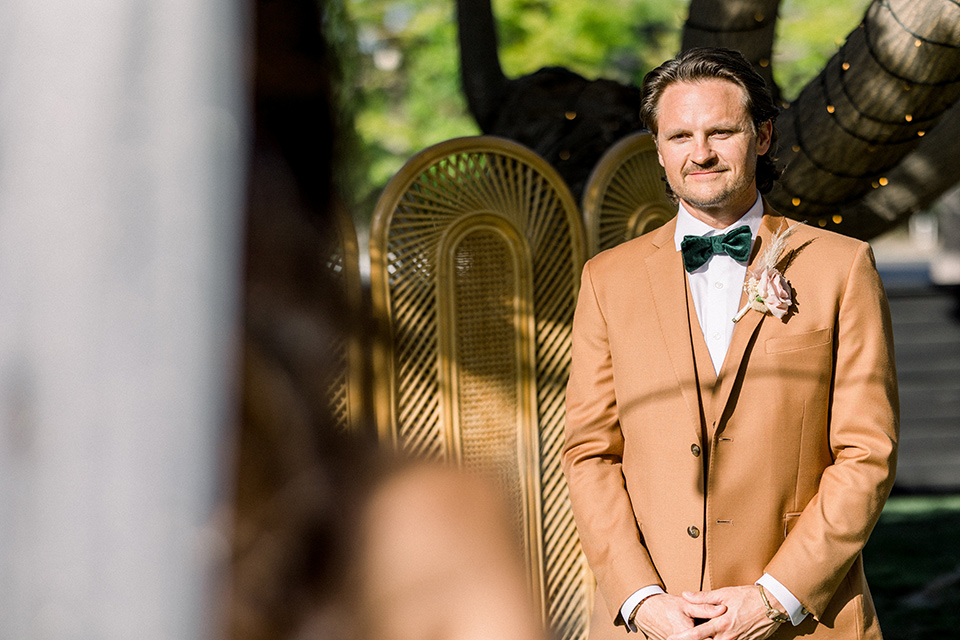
(698, 249)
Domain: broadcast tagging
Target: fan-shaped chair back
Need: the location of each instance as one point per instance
(347, 388)
(476, 251)
(624, 197)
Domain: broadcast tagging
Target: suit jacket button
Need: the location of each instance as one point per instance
(695, 450)
(693, 532)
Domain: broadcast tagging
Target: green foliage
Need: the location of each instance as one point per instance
(409, 72)
(341, 38)
(616, 39)
(809, 32)
(405, 73)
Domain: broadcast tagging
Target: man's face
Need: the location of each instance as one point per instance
(708, 147)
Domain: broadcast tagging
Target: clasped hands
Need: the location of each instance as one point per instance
(731, 613)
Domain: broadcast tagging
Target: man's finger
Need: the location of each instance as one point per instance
(704, 610)
(699, 632)
(702, 597)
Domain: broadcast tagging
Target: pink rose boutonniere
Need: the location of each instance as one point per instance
(767, 290)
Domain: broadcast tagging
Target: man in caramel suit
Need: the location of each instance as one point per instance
(725, 475)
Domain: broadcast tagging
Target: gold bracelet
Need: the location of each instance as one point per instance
(631, 621)
(774, 614)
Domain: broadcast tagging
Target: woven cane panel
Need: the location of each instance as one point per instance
(624, 197)
(486, 291)
(447, 185)
(340, 258)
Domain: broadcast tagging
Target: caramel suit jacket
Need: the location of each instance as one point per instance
(781, 463)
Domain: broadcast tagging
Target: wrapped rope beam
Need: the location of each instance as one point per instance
(873, 103)
(915, 184)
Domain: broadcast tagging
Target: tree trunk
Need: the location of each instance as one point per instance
(480, 72)
(877, 98)
(745, 25)
(568, 120)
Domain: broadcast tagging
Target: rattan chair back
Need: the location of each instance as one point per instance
(476, 250)
(347, 387)
(624, 197)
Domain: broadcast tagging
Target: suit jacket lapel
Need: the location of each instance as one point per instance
(668, 282)
(746, 329)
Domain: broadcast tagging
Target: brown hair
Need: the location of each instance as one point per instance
(704, 63)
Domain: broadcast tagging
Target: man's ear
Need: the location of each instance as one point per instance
(764, 137)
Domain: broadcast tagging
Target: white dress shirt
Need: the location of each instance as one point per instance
(716, 287)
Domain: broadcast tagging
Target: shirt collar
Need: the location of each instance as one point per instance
(687, 225)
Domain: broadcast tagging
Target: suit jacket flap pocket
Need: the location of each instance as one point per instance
(798, 341)
(789, 520)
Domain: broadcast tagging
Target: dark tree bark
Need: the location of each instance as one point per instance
(745, 25)
(480, 72)
(568, 120)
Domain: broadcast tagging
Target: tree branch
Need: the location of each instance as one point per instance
(480, 71)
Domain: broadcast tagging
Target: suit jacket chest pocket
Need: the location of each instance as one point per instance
(798, 341)
(799, 366)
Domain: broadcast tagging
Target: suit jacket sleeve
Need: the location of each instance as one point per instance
(863, 432)
(592, 459)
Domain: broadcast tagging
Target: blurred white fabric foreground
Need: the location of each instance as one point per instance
(122, 148)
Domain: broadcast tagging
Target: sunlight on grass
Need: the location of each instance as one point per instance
(900, 505)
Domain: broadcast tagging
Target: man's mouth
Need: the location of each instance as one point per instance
(704, 172)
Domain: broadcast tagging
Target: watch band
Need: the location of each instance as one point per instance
(774, 614)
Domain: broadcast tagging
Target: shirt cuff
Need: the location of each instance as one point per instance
(795, 610)
(636, 598)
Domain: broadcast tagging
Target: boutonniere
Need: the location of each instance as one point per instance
(767, 290)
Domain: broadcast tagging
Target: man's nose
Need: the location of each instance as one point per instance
(703, 152)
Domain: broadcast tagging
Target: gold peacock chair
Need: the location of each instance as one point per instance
(476, 250)
(346, 390)
(624, 196)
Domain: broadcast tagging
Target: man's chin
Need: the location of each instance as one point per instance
(707, 201)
